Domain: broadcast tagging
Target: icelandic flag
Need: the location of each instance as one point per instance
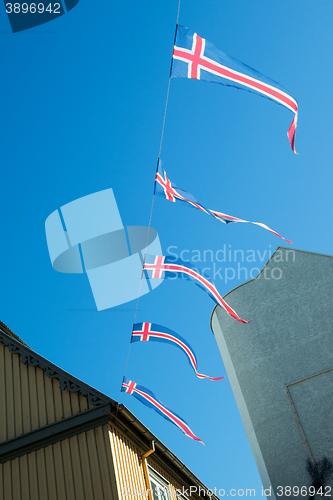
(165, 188)
(165, 266)
(149, 399)
(143, 332)
(194, 57)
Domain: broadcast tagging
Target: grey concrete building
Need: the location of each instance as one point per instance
(280, 367)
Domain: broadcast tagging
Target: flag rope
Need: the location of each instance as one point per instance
(152, 203)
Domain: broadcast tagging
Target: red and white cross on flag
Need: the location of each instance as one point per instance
(157, 267)
(149, 399)
(144, 332)
(165, 188)
(185, 197)
(129, 388)
(169, 192)
(196, 58)
(172, 268)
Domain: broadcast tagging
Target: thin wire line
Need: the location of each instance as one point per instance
(137, 300)
(165, 110)
(152, 205)
(178, 13)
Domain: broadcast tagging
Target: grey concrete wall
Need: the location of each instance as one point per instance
(287, 419)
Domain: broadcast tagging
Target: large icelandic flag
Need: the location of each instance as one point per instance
(165, 266)
(149, 399)
(194, 57)
(144, 332)
(165, 188)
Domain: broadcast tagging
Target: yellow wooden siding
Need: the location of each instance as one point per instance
(30, 399)
(77, 468)
(129, 469)
(128, 466)
(101, 463)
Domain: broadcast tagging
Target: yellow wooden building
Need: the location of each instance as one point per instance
(68, 441)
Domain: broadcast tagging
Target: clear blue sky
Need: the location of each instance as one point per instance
(82, 105)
